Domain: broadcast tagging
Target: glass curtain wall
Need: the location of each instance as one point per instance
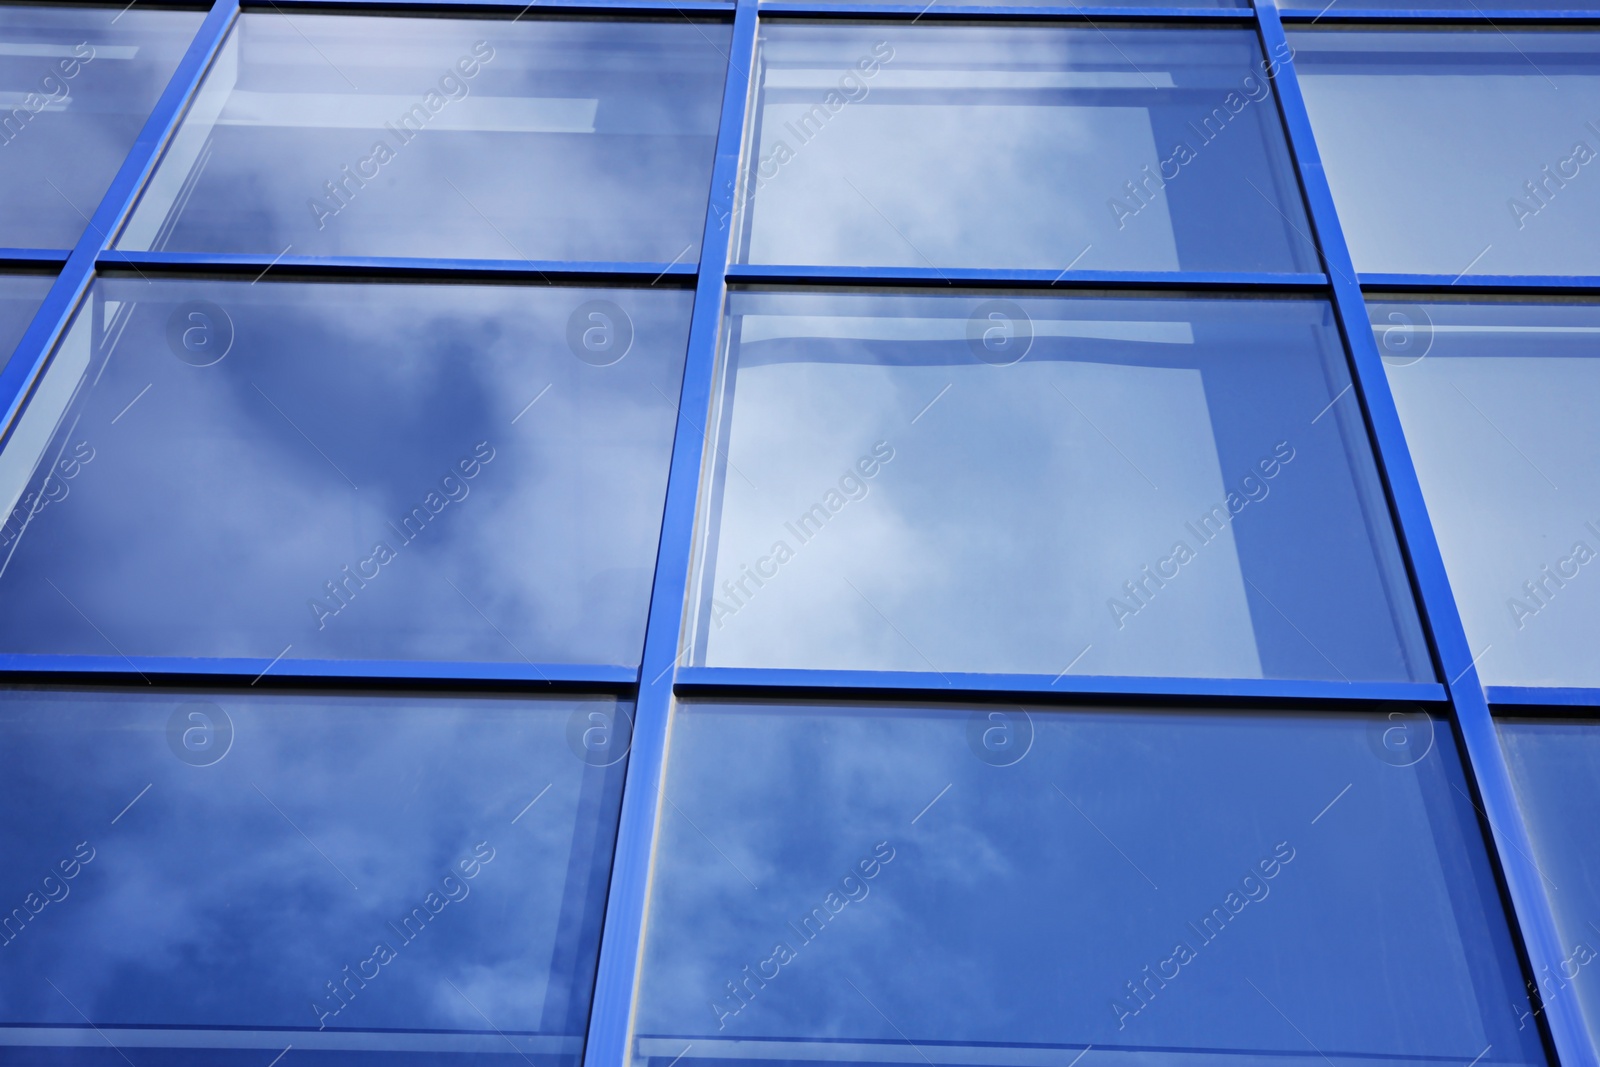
(671, 533)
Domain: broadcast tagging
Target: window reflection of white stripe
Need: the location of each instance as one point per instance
(889, 78)
(873, 328)
(65, 51)
(366, 111)
(11, 100)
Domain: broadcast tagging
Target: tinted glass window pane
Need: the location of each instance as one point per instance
(469, 139)
(361, 471)
(1461, 151)
(1497, 402)
(1555, 767)
(987, 887)
(210, 877)
(76, 85)
(20, 297)
(1023, 147)
(1015, 483)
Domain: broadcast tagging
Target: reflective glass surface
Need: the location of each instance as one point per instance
(1498, 402)
(211, 877)
(76, 85)
(1555, 767)
(1014, 483)
(1471, 6)
(467, 139)
(20, 296)
(1019, 147)
(989, 886)
(453, 472)
(1459, 151)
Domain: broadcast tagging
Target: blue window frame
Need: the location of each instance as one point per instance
(76, 83)
(1184, 886)
(375, 877)
(462, 139)
(214, 210)
(1055, 146)
(359, 471)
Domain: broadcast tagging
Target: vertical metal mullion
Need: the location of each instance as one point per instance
(610, 1015)
(1441, 615)
(62, 301)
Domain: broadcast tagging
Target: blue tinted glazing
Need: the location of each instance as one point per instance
(360, 471)
(989, 886)
(212, 876)
(20, 295)
(1015, 483)
(1498, 404)
(1465, 6)
(76, 85)
(1556, 769)
(1459, 151)
(1019, 147)
(467, 139)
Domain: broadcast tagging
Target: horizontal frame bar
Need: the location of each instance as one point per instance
(1468, 15)
(43, 257)
(1507, 696)
(908, 685)
(1521, 284)
(384, 266)
(116, 5)
(878, 277)
(536, 9)
(892, 8)
(930, 12)
(168, 670)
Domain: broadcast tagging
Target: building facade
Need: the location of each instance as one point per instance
(692, 532)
